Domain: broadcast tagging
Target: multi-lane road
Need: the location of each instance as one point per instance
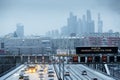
(35, 75)
(76, 70)
(70, 72)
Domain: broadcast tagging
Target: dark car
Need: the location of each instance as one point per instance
(26, 77)
(50, 72)
(50, 75)
(21, 78)
(51, 79)
(94, 79)
(67, 74)
(84, 72)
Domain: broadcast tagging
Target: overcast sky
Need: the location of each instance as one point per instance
(40, 16)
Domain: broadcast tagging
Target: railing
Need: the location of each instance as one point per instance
(13, 66)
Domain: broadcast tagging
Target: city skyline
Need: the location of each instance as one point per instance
(35, 15)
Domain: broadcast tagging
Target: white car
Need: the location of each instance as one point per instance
(41, 71)
(22, 73)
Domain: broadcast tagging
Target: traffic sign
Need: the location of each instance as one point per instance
(111, 59)
(96, 50)
(97, 59)
(82, 59)
(75, 58)
(118, 59)
(89, 59)
(104, 58)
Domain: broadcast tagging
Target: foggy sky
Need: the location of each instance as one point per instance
(40, 16)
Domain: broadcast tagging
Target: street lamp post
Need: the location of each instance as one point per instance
(19, 51)
(59, 70)
(63, 67)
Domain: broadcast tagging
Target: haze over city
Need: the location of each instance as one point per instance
(59, 39)
(40, 16)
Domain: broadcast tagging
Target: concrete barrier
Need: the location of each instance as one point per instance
(11, 73)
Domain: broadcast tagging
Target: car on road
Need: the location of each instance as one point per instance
(50, 72)
(50, 75)
(22, 73)
(41, 77)
(41, 74)
(26, 69)
(94, 79)
(25, 77)
(50, 69)
(84, 72)
(67, 74)
(51, 79)
(41, 71)
(21, 78)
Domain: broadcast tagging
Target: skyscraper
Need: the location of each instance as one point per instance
(64, 31)
(88, 16)
(100, 24)
(79, 28)
(84, 24)
(90, 23)
(72, 24)
(20, 30)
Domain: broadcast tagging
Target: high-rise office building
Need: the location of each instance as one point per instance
(79, 28)
(72, 24)
(20, 30)
(88, 16)
(84, 24)
(90, 23)
(100, 24)
(64, 31)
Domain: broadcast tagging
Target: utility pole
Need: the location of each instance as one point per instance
(59, 70)
(19, 53)
(63, 67)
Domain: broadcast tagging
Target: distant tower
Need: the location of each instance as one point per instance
(100, 24)
(79, 28)
(84, 24)
(20, 30)
(88, 16)
(72, 24)
(90, 23)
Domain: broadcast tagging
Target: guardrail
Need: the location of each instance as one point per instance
(11, 73)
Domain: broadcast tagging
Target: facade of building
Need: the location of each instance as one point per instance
(78, 26)
(47, 45)
(100, 24)
(20, 30)
(26, 45)
(90, 23)
(72, 24)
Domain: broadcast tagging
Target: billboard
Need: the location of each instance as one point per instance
(96, 50)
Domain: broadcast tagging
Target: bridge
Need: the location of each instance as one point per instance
(60, 64)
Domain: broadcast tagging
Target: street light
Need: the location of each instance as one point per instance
(19, 51)
(23, 42)
(59, 66)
